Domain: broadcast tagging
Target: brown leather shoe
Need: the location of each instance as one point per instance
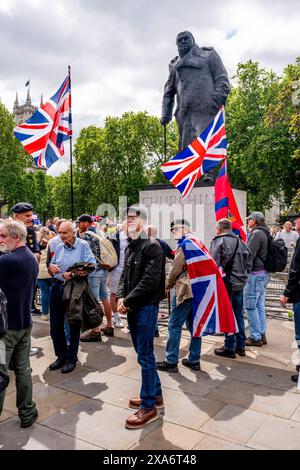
(135, 403)
(140, 418)
(90, 336)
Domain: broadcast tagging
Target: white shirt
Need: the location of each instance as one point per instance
(287, 237)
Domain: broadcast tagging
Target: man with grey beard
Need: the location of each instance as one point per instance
(18, 276)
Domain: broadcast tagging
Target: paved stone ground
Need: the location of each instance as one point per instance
(247, 403)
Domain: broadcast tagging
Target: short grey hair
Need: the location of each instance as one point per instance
(224, 225)
(15, 229)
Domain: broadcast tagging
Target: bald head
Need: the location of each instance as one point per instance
(152, 231)
(67, 233)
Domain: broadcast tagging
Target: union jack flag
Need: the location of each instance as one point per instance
(212, 308)
(42, 135)
(203, 154)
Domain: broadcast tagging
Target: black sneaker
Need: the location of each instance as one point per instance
(294, 378)
(35, 311)
(240, 351)
(253, 342)
(225, 352)
(166, 366)
(298, 367)
(264, 339)
(191, 365)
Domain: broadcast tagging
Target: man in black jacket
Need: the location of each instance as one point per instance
(292, 290)
(232, 255)
(140, 290)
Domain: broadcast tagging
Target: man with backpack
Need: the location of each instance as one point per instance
(97, 280)
(232, 256)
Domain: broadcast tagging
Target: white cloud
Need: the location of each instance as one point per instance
(119, 50)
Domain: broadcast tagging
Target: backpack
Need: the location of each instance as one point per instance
(3, 315)
(108, 256)
(277, 256)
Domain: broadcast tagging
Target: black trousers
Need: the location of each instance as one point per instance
(57, 326)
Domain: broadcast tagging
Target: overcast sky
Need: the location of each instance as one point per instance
(119, 50)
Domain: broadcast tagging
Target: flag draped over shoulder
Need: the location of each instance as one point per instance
(225, 204)
(42, 135)
(203, 154)
(212, 308)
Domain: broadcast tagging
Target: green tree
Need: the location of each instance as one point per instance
(13, 162)
(119, 159)
(260, 154)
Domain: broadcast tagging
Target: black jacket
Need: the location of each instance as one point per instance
(292, 290)
(143, 278)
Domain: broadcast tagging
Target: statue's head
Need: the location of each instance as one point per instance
(185, 42)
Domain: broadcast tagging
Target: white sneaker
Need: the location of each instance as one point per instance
(117, 321)
(123, 316)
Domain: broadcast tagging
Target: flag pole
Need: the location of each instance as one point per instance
(71, 159)
(165, 141)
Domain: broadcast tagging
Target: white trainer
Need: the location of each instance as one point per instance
(117, 321)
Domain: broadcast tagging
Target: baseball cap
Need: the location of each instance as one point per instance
(258, 216)
(84, 218)
(22, 207)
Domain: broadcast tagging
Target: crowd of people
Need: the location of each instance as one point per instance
(122, 275)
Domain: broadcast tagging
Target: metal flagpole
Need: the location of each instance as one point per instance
(165, 141)
(71, 158)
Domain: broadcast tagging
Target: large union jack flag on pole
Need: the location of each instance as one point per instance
(203, 154)
(212, 308)
(42, 135)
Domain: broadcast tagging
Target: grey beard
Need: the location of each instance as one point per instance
(5, 250)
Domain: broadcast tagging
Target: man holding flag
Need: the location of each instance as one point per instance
(202, 301)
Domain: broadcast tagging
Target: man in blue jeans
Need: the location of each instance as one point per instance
(292, 290)
(140, 290)
(255, 289)
(183, 312)
(232, 256)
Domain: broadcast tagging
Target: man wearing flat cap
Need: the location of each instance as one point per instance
(255, 289)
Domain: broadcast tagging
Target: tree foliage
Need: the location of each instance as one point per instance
(261, 147)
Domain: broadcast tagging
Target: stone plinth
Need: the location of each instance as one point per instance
(163, 205)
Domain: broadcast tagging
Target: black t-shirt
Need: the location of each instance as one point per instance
(18, 276)
(31, 241)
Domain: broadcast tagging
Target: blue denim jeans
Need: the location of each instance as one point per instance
(181, 314)
(45, 285)
(254, 298)
(239, 339)
(296, 308)
(98, 284)
(142, 323)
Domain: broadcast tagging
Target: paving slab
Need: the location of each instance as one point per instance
(277, 433)
(214, 443)
(188, 410)
(169, 436)
(49, 400)
(234, 423)
(100, 424)
(193, 382)
(5, 415)
(256, 397)
(38, 437)
(109, 388)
